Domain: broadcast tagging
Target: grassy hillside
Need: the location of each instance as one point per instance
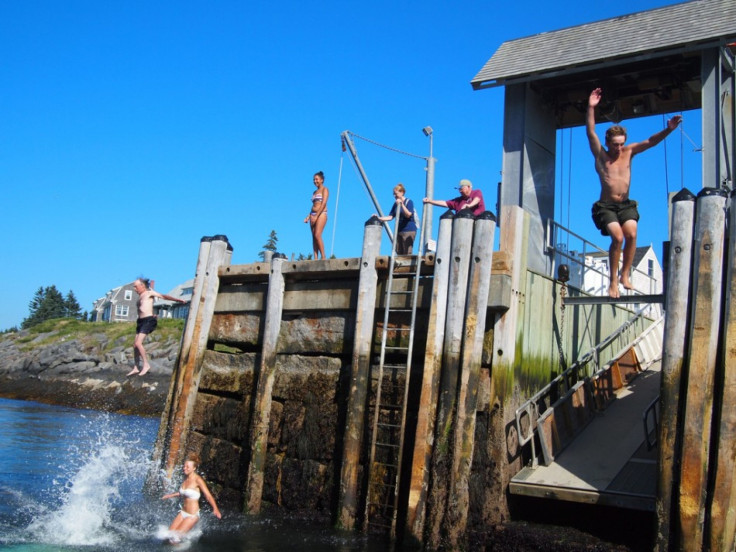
(112, 334)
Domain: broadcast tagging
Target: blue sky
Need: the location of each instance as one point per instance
(132, 129)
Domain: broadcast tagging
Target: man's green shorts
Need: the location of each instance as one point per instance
(606, 212)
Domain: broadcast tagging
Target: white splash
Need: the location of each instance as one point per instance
(89, 497)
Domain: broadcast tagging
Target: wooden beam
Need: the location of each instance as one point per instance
(261, 416)
(347, 508)
(424, 433)
(479, 283)
(704, 328)
(673, 353)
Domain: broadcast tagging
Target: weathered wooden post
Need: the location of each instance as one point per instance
(424, 434)
(186, 342)
(462, 239)
(261, 415)
(201, 321)
(479, 286)
(673, 354)
(359, 375)
(704, 335)
(723, 506)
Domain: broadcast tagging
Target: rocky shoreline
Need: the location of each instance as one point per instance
(86, 371)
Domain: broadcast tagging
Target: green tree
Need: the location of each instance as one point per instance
(73, 310)
(270, 245)
(47, 303)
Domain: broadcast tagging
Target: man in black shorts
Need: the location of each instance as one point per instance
(615, 214)
(146, 322)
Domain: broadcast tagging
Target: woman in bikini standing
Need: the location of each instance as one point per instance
(317, 218)
(190, 491)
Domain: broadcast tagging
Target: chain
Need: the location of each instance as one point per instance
(561, 345)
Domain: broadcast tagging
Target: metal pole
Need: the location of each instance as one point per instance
(429, 192)
(351, 146)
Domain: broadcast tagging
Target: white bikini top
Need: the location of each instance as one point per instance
(189, 493)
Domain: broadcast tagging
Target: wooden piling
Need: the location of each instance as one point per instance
(201, 321)
(722, 516)
(704, 330)
(462, 238)
(261, 413)
(479, 284)
(673, 354)
(175, 385)
(359, 376)
(424, 434)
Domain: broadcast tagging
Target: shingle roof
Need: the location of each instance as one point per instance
(679, 26)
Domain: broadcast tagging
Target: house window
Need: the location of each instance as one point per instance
(187, 291)
(121, 310)
(650, 267)
(128, 294)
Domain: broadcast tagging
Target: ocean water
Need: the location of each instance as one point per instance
(71, 480)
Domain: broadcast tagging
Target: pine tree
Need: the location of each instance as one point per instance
(73, 309)
(49, 303)
(270, 245)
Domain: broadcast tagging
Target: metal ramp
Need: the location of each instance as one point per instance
(390, 379)
(596, 439)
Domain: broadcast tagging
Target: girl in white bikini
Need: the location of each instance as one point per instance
(190, 491)
(317, 217)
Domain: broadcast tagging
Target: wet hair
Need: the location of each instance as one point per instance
(400, 187)
(193, 457)
(615, 130)
(145, 281)
(321, 175)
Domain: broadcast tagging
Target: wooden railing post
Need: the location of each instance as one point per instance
(359, 375)
(673, 354)
(479, 286)
(704, 335)
(424, 435)
(261, 415)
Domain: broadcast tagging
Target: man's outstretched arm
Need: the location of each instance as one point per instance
(656, 138)
(593, 141)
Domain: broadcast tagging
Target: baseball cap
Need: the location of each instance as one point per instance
(465, 182)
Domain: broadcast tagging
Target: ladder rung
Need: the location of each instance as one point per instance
(396, 348)
(402, 292)
(394, 366)
(383, 424)
(387, 445)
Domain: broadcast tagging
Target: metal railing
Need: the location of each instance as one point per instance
(583, 256)
(586, 367)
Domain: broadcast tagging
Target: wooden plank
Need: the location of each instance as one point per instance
(704, 331)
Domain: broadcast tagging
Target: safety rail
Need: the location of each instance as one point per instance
(530, 411)
(560, 248)
(650, 435)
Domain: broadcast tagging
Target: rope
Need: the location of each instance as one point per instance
(666, 172)
(386, 147)
(337, 202)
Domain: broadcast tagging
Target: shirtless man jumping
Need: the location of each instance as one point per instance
(614, 213)
(146, 322)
